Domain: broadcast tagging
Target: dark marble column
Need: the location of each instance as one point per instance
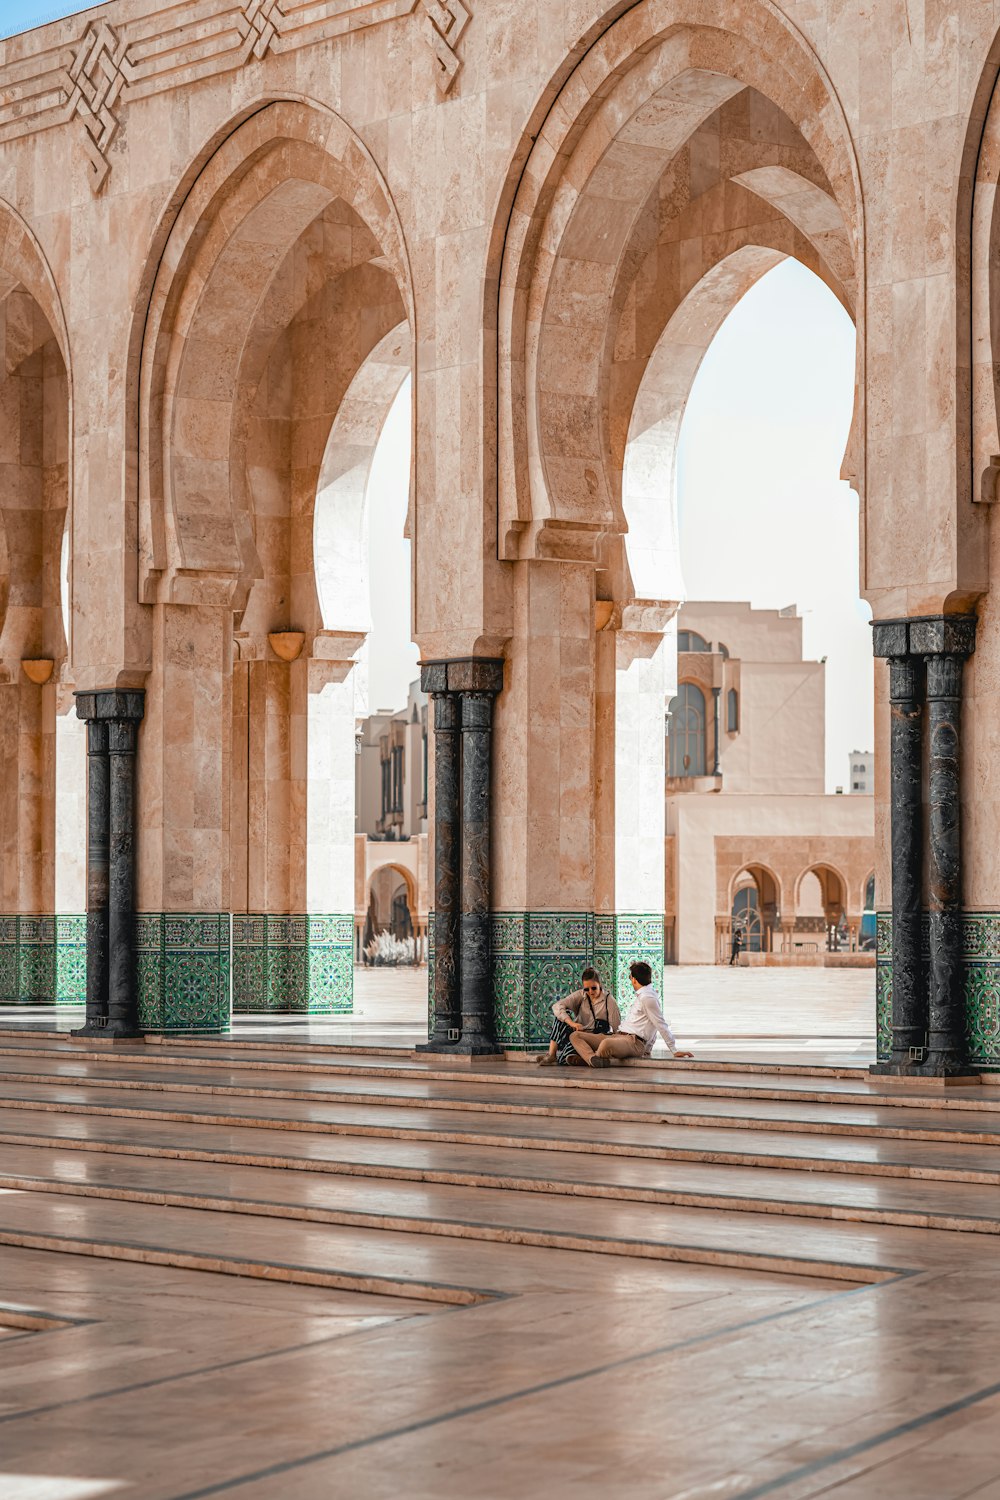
(123, 1007)
(909, 990)
(98, 802)
(717, 712)
(463, 691)
(112, 719)
(478, 1031)
(945, 644)
(447, 1018)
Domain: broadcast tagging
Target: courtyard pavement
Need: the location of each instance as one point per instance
(792, 1015)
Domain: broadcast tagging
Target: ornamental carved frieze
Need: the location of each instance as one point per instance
(88, 82)
(444, 22)
(94, 82)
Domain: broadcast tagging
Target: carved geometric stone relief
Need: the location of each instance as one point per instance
(444, 22)
(97, 75)
(155, 49)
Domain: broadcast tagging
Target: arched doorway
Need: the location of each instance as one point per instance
(821, 909)
(41, 903)
(279, 306)
(610, 291)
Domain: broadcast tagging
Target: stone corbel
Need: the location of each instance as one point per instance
(988, 481)
(554, 540)
(340, 646)
(648, 616)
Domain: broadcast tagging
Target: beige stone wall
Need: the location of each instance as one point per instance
(715, 839)
(217, 212)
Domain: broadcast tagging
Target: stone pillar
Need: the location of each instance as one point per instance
(478, 1032)
(447, 836)
(909, 996)
(98, 878)
(945, 644)
(463, 693)
(925, 658)
(112, 718)
(123, 1015)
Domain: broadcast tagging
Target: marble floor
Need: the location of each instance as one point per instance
(275, 1273)
(755, 1014)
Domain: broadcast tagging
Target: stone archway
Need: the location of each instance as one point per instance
(35, 689)
(282, 282)
(585, 289)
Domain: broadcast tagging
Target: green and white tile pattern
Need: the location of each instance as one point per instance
(538, 956)
(981, 951)
(299, 964)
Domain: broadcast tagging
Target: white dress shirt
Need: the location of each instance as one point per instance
(645, 1018)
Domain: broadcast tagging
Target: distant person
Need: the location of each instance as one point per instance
(737, 944)
(590, 1009)
(637, 1033)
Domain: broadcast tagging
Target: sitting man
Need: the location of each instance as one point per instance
(589, 1009)
(637, 1033)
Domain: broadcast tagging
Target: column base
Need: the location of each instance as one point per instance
(115, 1031)
(461, 1051)
(908, 1075)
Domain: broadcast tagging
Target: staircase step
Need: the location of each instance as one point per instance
(435, 1242)
(515, 1083)
(312, 1150)
(602, 1130)
(941, 1206)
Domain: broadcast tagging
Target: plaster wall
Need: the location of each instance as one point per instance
(713, 838)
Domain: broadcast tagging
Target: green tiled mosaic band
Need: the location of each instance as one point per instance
(43, 960)
(182, 959)
(538, 956)
(981, 953)
(297, 964)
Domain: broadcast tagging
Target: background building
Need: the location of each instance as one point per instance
(391, 883)
(862, 775)
(753, 840)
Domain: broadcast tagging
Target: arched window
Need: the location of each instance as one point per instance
(733, 711)
(686, 741)
(870, 894)
(723, 650)
(690, 640)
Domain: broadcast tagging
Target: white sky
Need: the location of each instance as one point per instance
(763, 514)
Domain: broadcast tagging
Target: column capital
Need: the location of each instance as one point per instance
(463, 674)
(925, 635)
(113, 704)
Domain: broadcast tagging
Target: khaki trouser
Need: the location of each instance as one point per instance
(620, 1044)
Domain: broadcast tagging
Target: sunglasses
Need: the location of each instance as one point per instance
(592, 989)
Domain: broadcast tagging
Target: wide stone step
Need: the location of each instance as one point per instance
(526, 1087)
(468, 1119)
(444, 1244)
(924, 1205)
(526, 1095)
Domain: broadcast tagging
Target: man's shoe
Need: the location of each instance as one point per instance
(600, 1062)
(545, 1061)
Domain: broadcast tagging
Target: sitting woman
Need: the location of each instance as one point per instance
(588, 1009)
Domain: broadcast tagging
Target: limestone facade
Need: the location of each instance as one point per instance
(392, 789)
(754, 842)
(216, 219)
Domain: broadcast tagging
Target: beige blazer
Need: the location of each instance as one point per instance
(577, 1007)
